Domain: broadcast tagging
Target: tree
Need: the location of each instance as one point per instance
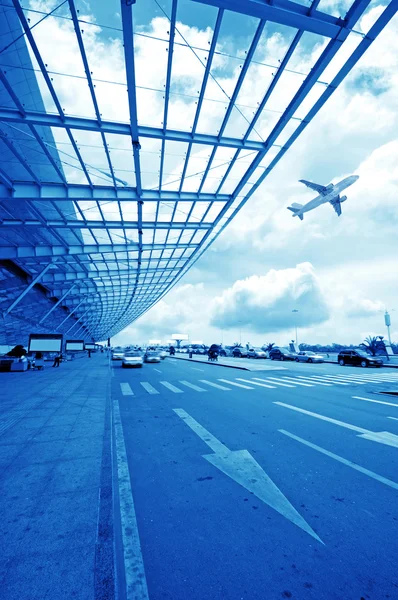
(373, 345)
(237, 345)
(267, 347)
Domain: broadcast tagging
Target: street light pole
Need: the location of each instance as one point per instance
(387, 320)
(296, 311)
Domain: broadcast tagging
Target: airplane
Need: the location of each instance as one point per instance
(329, 193)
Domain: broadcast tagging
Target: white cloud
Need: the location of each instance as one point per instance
(265, 303)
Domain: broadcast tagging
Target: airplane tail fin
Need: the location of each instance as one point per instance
(295, 208)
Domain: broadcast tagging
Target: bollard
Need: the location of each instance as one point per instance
(190, 354)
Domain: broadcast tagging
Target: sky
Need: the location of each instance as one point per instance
(339, 273)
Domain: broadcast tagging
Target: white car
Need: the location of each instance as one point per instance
(117, 355)
(132, 359)
(151, 357)
(309, 357)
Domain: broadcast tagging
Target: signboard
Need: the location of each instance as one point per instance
(90, 346)
(74, 345)
(197, 343)
(45, 342)
(180, 336)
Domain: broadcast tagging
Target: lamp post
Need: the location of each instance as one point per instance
(295, 310)
(387, 320)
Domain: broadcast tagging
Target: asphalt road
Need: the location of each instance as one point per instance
(287, 489)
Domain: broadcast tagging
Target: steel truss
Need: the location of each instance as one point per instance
(116, 247)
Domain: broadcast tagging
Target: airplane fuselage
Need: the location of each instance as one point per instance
(334, 192)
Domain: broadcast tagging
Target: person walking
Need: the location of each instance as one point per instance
(57, 360)
(89, 353)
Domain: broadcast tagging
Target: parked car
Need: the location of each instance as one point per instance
(309, 357)
(281, 354)
(256, 353)
(132, 359)
(151, 356)
(358, 358)
(163, 354)
(239, 352)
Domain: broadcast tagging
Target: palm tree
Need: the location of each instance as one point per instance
(237, 345)
(268, 347)
(372, 344)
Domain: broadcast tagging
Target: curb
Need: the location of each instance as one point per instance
(213, 364)
(331, 362)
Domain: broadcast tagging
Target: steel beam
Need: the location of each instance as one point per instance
(56, 304)
(28, 192)
(112, 274)
(71, 313)
(79, 224)
(27, 289)
(283, 12)
(10, 115)
(21, 252)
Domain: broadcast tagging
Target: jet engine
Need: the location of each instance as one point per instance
(343, 198)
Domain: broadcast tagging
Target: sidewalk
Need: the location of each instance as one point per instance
(55, 498)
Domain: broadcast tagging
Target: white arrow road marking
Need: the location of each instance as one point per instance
(240, 466)
(126, 389)
(375, 401)
(383, 437)
(343, 460)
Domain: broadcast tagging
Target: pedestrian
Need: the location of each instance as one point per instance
(57, 360)
(89, 353)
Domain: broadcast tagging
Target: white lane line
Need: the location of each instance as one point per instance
(294, 380)
(240, 385)
(271, 387)
(344, 461)
(322, 418)
(195, 369)
(393, 418)
(126, 389)
(274, 381)
(136, 585)
(215, 385)
(375, 401)
(192, 386)
(157, 370)
(148, 387)
(171, 387)
(317, 382)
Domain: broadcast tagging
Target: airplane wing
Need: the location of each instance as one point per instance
(336, 205)
(321, 189)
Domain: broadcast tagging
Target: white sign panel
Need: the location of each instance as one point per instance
(180, 336)
(45, 345)
(74, 346)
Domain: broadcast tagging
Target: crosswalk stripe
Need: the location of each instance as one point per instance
(271, 387)
(393, 418)
(330, 380)
(215, 385)
(275, 381)
(318, 382)
(294, 380)
(171, 387)
(192, 386)
(240, 385)
(148, 387)
(126, 389)
(336, 378)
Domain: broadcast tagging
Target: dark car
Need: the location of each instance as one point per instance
(358, 358)
(281, 354)
(239, 352)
